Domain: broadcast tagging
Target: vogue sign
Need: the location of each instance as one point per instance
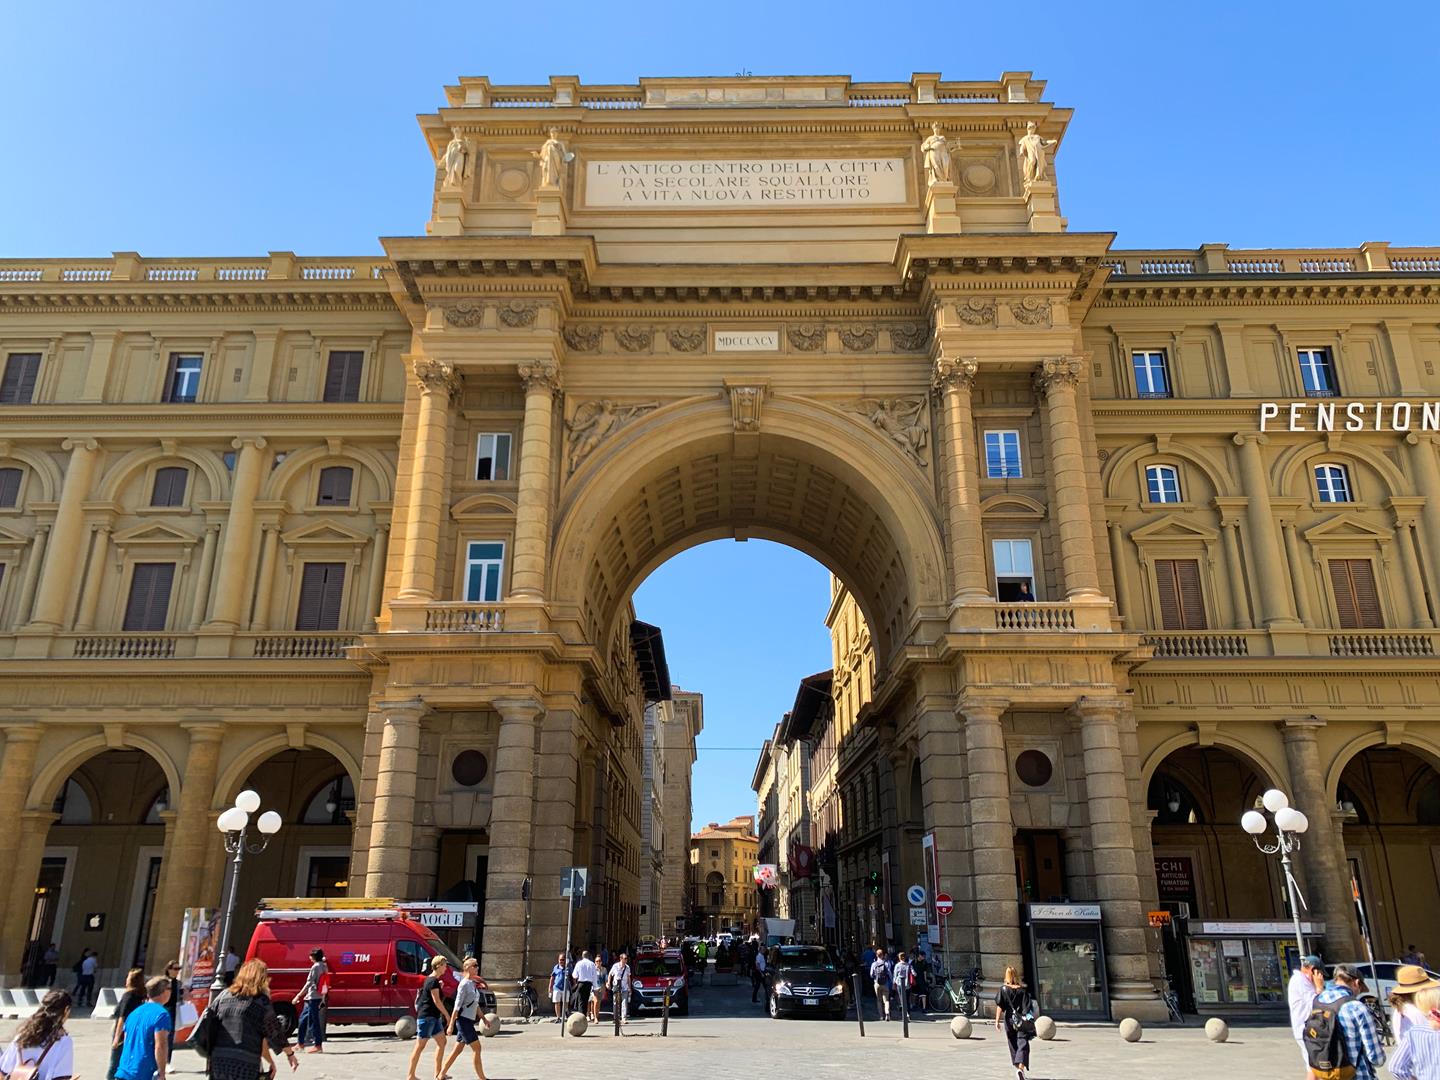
(1350, 416)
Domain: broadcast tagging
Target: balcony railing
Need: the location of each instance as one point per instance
(1218, 259)
(132, 646)
(1380, 643)
(1352, 644)
(1034, 616)
(1198, 643)
(303, 646)
(464, 618)
(124, 268)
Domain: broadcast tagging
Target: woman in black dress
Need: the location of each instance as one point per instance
(1015, 1013)
(246, 1027)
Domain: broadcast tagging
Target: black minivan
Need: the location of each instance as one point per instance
(804, 980)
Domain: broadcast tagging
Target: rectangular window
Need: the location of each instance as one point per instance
(1014, 570)
(9, 487)
(149, 603)
(1182, 604)
(1357, 602)
(335, 484)
(342, 376)
(1332, 483)
(1152, 376)
(169, 486)
(1317, 372)
(322, 587)
(1162, 483)
(484, 563)
(1002, 454)
(182, 383)
(492, 457)
(17, 385)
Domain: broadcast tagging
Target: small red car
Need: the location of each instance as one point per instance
(653, 971)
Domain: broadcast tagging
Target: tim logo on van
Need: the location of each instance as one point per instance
(355, 957)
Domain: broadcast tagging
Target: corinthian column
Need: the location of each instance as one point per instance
(235, 580)
(954, 379)
(438, 385)
(1055, 381)
(1275, 604)
(63, 554)
(532, 516)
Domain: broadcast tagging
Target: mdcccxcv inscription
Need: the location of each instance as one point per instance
(758, 181)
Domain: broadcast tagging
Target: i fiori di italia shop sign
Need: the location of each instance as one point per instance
(1350, 416)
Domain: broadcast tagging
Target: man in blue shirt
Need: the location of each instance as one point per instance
(147, 1044)
(1357, 1026)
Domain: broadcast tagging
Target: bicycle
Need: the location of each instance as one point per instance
(963, 1000)
(1172, 1001)
(527, 1003)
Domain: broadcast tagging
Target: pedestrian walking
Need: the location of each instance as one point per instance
(310, 1031)
(1417, 1056)
(880, 976)
(903, 981)
(557, 988)
(146, 1051)
(757, 975)
(1357, 1027)
(130, 1000)
(920, 967)
(1410, 980)
(246, 1032)
(1304, 986)
(464, 1016)
(619, 983)
(585, 976)
(432, 1017)
(1015, 1015)
(43, 1042)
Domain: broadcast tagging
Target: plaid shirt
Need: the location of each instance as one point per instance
(1362, 1040)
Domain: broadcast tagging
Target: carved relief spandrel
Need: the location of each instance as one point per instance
(905, 420)
(594, 421)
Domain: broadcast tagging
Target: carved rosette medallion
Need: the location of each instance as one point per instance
(806, 337)
(1058, 371)
(858, 338)
(905, 421)
(954, 372)
(582, 337)
(436, 377)
(976, 311)
(909, 337)
(1031, 311)
(465, 313)
(635, 338)
(595, 421)
(537, 374)
(686, 338)
(518, 313)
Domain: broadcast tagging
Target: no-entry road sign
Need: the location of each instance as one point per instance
(943, 904)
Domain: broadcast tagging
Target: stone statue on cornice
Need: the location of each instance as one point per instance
(1033, 153)
(457, 161)
(936, 149)
(553, 158)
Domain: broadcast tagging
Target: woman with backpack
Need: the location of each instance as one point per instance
(41, 1049)
(1015, 1013)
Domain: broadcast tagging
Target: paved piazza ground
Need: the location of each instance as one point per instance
(728, 1038)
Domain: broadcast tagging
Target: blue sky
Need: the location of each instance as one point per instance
(207, 129)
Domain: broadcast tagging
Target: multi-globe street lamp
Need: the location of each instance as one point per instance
(232, 824)
(1290, 824)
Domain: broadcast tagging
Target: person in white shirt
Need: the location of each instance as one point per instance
(1305, 985)
(586, 975)
(619, 983)
(42, 1039)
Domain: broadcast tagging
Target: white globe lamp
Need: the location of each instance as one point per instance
(249, 801)
(233, 820)
(1253, 822)
(1274, 800)
(269, 823)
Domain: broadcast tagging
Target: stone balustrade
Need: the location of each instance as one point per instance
(1198, 643)
(1035, 616)
(303, 646)
(130, 267)
(1220, 259)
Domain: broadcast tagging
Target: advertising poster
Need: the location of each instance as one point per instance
(199, 938)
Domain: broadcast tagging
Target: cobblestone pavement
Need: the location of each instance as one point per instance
(727, 1037)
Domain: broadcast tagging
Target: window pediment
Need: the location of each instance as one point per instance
(154, 533)
(1172, 528)
(1343, 528)
(483, 507)
(324, 532)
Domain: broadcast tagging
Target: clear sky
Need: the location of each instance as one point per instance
(235, 129)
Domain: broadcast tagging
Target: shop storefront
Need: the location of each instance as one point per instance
(1066, 960)
(1243, 966)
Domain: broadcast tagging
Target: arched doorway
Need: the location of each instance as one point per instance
(1390, 799)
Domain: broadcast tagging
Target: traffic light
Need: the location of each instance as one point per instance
(874, 880)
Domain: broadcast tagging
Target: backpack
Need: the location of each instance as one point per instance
(1324, 1042)
(882, 974)
(30, 1070)
(1021, 1017)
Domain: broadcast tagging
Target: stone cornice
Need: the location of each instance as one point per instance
(1278, 290)
(60, 297)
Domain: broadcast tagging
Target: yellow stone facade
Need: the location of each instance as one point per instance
(722, 880)
(643, 317)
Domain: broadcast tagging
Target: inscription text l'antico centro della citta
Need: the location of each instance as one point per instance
(872, 181)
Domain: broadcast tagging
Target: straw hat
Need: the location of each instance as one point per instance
(1411, 979)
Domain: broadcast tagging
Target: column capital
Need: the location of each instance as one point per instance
(978, 708)
(21, 733)
(240, 442)
(518, 708)
(80, 442)
(540, 375)
(1415, 438)
(410, 711)
(202, 731)
(1300, 729)
(954, 373)
(1250, 438)
(436, 377)
(1058, 372)
(1093, 706)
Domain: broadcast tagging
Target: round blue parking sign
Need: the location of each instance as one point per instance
(916, 895)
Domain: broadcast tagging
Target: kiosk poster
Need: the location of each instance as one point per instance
(199, 937)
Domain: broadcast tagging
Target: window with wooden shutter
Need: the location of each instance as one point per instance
(322, 586)
(1357, 601)
(342, 376)
(149, 602)
(335, 485)
(1182, 603)
(169, 486)
(17, 385)
(9, 487)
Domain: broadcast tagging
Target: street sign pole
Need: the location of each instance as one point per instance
(569, 925)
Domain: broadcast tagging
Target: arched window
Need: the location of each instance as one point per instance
(1162, 482)
(1332, 482)
(329, 805)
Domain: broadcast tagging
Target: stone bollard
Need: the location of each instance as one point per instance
(405, 1027)
(961, 1027)
(1045, 1028)
(575, 1024)
(1217, 1030)
(1130, 1029)
(490, 1025)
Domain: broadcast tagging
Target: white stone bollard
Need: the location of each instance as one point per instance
(1045, 1028)
(960, 1027)
(1130, 1029)
(490, 1025)
(405, 1027)
(575, 1024)
(1217, 1030)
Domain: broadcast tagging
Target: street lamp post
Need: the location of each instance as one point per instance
(232, 825)
(1289, 825)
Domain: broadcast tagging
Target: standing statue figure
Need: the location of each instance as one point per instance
(457, 161)
(1032, 153)
(936, 149)
(553, 157)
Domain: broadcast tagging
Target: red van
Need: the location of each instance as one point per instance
(377, 957)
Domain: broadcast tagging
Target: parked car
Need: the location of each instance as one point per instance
(1379, 978)
(653, 972)
(378, 960)
(804, 980)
